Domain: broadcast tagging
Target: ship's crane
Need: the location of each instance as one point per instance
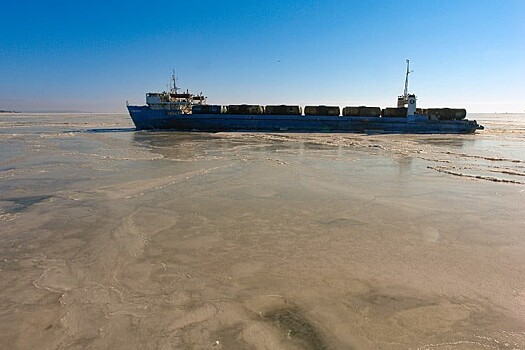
(406, 78)
(407, 100)
(402, 101)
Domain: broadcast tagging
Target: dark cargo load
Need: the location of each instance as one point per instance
(351, 111)
(206, 109)
(245, 109)
(322, 110)
(283, 110)
(362, 111)
(370, 111)
(394, 112)
(447, 113)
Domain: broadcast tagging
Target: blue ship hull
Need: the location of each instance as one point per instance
(146, 118)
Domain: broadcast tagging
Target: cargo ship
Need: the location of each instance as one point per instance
(184, 111)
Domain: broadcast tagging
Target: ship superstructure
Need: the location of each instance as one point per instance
(174, 101)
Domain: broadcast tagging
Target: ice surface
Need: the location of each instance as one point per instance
(113, 238)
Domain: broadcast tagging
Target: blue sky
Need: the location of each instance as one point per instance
(93, 56)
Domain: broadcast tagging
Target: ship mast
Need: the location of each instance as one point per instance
(405, 94)
(174, 89)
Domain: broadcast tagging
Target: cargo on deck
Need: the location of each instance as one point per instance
(283, 110)
(362, 111)
(244, 109)
(322, 110)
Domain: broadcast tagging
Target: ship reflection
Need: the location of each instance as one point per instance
(192, 145)
(454, 141)
(404, 165)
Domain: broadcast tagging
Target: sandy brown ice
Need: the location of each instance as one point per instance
(139, 240)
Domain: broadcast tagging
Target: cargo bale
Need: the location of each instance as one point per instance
(362, 111)
(369, 111)
(310, 110)
(351, 111)
(322, 110)
(447, 113)
(206, 109)
(439, 113)
(390, 112)
(460, 113)
(283, 110)
(245, 109)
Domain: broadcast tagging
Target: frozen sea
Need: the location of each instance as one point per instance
(112, 238)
